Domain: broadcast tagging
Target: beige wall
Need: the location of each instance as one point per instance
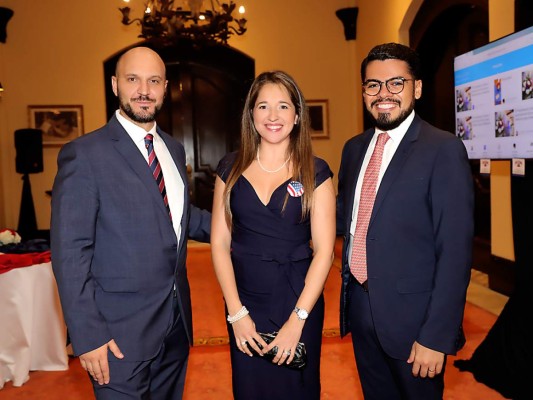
(55, 51)
(501, 23)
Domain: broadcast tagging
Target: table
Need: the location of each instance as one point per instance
(32, 328)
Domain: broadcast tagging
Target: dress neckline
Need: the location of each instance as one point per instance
(271, 194)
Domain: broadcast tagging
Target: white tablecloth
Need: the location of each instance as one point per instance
(32, 329)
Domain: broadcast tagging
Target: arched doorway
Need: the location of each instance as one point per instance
(207, 88)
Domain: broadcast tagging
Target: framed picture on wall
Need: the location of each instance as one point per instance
(60, 124)
(318, 113)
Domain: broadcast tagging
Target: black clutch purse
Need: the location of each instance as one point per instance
(300, 356)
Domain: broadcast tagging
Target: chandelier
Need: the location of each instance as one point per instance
(164, 22)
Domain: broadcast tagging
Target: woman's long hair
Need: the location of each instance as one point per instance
(300, 148)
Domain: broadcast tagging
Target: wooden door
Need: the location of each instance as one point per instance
(205, 114)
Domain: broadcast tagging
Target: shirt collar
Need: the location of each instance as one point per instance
(136, 132)
(399, 132)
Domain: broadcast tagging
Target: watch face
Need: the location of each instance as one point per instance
(302, 314)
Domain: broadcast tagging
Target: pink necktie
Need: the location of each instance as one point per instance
(157, 172)
(366, 203)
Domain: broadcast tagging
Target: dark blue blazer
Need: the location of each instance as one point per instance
(114, 251)
(419, 241)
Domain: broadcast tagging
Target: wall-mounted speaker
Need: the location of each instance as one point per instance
(29, 146)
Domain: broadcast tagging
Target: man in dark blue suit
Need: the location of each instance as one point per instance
(406, 314)
(117, 254)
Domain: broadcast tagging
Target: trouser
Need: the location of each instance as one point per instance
(161, 378)
(381, 376)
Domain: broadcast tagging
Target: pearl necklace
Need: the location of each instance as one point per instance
(271, 171)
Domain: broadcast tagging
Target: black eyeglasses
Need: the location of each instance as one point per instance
(394, 85)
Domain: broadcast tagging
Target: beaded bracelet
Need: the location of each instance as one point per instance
(243, 312)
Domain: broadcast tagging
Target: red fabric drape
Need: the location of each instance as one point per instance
(11, 261)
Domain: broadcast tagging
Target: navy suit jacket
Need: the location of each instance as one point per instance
(419, 240)
(115, 254)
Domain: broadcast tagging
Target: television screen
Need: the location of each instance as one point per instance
(494, 98)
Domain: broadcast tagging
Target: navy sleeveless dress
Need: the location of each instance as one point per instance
(271, 254)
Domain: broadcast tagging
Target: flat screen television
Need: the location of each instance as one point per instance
(494, 98)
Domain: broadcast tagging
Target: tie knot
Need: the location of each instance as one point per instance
(148, 140)
(382, 138)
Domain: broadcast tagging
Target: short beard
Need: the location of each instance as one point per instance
(141, 118)
(384, 121)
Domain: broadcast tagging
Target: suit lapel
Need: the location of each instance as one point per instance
(354, 167)
(172, 147)
(398, 160)
(130, 152)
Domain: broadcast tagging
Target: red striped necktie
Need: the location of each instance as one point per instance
(157, 172)
(358, 264)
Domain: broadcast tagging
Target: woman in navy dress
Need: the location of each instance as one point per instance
(273, 198)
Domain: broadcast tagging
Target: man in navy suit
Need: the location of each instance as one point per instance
(118, 256)
(407, 316)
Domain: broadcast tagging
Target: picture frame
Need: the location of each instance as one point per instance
(319, 118)
(60, 124)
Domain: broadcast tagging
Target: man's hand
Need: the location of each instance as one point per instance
(426, 362)
(96, 364)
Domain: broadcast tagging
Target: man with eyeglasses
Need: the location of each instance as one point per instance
(405, 208)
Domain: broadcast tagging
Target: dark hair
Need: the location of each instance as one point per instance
(394, 51)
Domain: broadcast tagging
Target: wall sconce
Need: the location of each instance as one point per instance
(5, 16)
(348, 17)
(1, 90)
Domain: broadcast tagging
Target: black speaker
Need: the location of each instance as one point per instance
(29, 146)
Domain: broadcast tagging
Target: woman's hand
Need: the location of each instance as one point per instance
(286, 340)
(247, 337)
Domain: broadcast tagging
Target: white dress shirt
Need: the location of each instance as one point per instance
(173, 182)
(396, 135)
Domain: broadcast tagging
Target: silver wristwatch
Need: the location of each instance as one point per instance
(301, 313)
